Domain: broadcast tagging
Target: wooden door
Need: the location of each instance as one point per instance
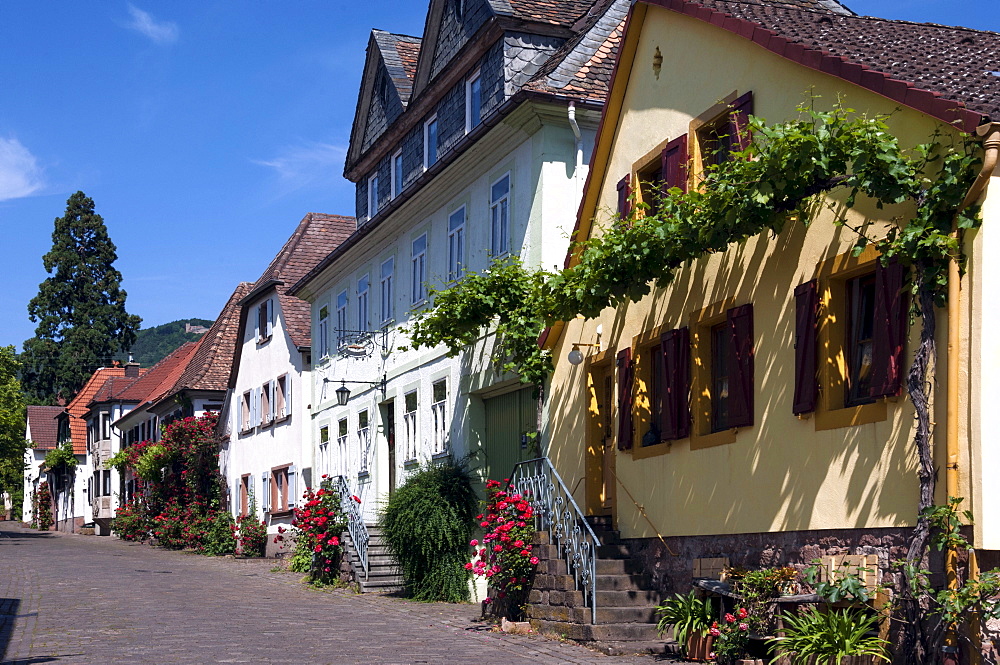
(389, 418)
(511, 424)
(607, 424)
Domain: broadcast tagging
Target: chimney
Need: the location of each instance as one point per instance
(131, 368)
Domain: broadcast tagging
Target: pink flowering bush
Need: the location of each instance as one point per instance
(504, 557)
(250, 534)
(319, 524)
(731, 636)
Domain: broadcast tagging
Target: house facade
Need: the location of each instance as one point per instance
(695, 419)
(41, 433)
(469, 144)
(267, 457)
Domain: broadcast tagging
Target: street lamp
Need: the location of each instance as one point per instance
(344, 393)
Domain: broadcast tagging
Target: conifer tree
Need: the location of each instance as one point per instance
(80, 309)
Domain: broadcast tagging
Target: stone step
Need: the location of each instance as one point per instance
(587, 632)
(634, 582)
(613, 551)
(602, 566)
(659, 647)
(639, 598)
(613, 615)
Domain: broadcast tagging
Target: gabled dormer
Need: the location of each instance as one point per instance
(449, 26)
(386, 86)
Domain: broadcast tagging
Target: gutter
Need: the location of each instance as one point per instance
(571, 115)
(990, 133)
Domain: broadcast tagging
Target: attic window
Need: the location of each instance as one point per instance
(383, 90)
(458, 6)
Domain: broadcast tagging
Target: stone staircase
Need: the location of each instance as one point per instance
(383, 572)
(626, 598)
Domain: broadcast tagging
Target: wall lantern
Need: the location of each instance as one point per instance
(344, 393)
(575, 357)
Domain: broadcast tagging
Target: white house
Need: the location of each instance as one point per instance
(267, 458)
(467, 145)
(41, 433)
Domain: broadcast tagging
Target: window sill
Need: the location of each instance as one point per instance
(863, 414)
(642, 452)
(281, 514)
(263, 340)
(411, 462)
(364, 475)
(722, 438)
(282, 419)
(445, 454)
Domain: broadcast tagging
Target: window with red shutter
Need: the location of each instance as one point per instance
(675, 415)
(624, 196)
(624, 366)
(806, 309)
(740, 366)
(739, 127)
(889, 330)
(674, 164)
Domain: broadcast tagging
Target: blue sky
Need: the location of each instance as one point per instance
(203, 131)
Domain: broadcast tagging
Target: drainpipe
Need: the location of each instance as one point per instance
(571, 115)
(991, 144)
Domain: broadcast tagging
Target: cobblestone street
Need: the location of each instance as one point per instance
(85, 599)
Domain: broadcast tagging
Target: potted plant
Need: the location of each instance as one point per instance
(732, 637)
(834, 637)
(691, 618)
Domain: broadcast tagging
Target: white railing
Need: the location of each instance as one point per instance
(440, 428)
(364, 448)
(556, 512)
(355, 522)
(410, 426)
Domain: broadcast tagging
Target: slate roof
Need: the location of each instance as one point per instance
(557, 12)
(400, 53)
(209, 366)
(80, 404)
(314, 238)
(44, 426)
(954, 63)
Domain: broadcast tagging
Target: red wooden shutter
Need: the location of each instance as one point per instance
(674, 163)
(625, 399)
(739, 128)
(624, 196)
(806, 308)
(889, 334)
(676, 417)
(741, 383)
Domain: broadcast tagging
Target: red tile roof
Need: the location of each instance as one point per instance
(80, 404)
(313, 239)
(43, 426)
(159, 378)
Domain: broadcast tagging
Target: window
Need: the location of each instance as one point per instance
(341, 317)
(410, 424)
(500, 216)
(724, 130)
(385, 283)
(397, 173)
(324, 450)
(279, 489)
(473, 102)
(265, 320)
(245, 409)
(456, 244)
(418, 270)
(439, 391)
(430, 142)
(650, 180)
(245, 487)
(282, 397)
(372, 196)
(723, 390)
(106, 482)
(364, 441)
(720, 377)
(324, 332)
(105, 425)
(656, 390)
(266, 403)
(858, 345)
(363, 303)
(342, 451)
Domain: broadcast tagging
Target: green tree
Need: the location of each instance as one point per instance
(80, 309)
(12, 443)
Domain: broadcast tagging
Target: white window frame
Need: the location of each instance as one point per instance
(282, 406)
(439, 414)
(324, 450)
(418, 271)
(364, 441)
(500, 206)
(385, 288)
(396, 179)
(324, 331)
(364, 313)
(342, 449)
(427, 146)
(373, 195)
(265, 314)
(473, 78)
(341, 311)
(410, 426)
(456, 244)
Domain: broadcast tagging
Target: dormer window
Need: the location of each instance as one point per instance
(473, 102)
(430, 142)
(372, 196)
(458, 6)
(397, 173)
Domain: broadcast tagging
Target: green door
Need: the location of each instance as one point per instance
(511, 421)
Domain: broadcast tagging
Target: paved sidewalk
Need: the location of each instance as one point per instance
(84, 599)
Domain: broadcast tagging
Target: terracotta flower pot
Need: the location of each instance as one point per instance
(699, 646)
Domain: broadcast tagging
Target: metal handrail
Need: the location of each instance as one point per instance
(355, 522)
(556, 512)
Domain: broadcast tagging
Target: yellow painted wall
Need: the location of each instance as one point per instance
(782, 473)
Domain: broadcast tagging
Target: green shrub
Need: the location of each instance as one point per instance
(689, 615)
(824, 638)
(251, 535)
(131, 521)
(218, 539)
(427, 524)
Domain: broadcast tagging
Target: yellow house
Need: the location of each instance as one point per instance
(766, 459)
